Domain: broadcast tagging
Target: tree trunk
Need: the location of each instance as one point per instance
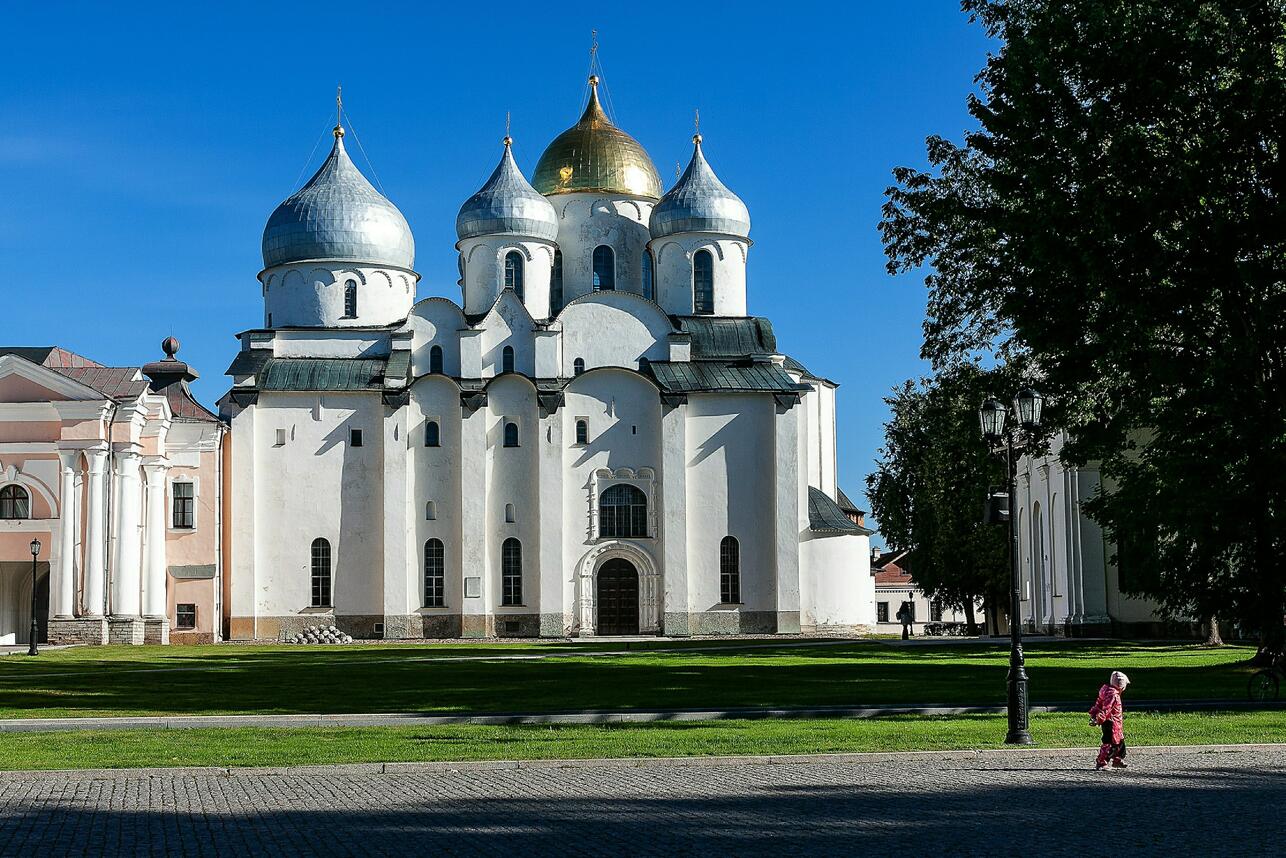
(971, 622)
(1213, 638)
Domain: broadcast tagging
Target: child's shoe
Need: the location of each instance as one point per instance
(1119, 764)
(1098, 767)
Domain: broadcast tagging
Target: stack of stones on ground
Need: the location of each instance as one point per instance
(321, 634)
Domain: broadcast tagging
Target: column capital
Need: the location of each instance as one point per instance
(155, 467)
(97, 459)
(127, 461)
(68, 460)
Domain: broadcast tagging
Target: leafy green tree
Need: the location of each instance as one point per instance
(928, 489)
(1117, 219)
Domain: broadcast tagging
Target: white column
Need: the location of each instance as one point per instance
(95, 532)
(64, 589)
(155, 605)
(125, 569)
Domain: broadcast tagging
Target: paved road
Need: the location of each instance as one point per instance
(1181, 803)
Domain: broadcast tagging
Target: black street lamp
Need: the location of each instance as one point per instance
(992, 419)
(35, 627)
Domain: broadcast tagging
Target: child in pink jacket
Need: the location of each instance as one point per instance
(1108, 713)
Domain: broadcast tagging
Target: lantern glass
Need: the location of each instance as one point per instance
(1028, 404)
(991, 417)
(35, 547)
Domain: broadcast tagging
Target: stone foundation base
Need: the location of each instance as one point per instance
(78, 630)
(517, 625)
(125, 630)
(477, 626)
(156, 630)
(737, 623)
(676, 624)
(845, 631)
(555, 625)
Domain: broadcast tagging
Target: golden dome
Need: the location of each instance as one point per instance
(595, 155)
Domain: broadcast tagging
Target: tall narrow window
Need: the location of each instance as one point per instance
(511, 513)
(321, 573)
(578, 366)
(647, 276)
(430, 511)
(507, 359)
(511, 572)
(622, 512)
(514, 273)
(350, 299)
(435, 359)
(434, 573)
(556, 284)
(355, 437)
(730, 571)
(511, 434)
(604, 269)
(432, 434)
(703, 283)
(582, 431)
(15, 503)
(182, 506)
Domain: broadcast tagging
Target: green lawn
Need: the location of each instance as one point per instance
(462, 677)
(305, 746)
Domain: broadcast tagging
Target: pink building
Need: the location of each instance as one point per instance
(117, 472)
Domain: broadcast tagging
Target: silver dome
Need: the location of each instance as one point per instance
(507, 205)
(699, 202)
(338, 215)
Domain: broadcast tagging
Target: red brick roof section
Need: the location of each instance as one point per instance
(114, 382)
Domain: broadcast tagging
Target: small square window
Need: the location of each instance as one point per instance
(472, 588)
(185, 616)
(281, 438)
(355, 437)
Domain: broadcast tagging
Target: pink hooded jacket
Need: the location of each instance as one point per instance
(1108, 708)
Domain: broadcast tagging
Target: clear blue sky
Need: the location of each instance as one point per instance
(142, 148)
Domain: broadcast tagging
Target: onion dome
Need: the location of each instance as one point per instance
(699, 202)
(338, 216)
(507, 205)
(595, 155)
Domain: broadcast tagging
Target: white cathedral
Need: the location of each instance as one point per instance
(600, 441)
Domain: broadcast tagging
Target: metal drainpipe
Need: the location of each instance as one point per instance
(217, 620)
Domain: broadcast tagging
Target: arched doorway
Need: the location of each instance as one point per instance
(617, 598)
(15, 602)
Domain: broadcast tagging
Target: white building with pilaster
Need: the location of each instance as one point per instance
(113, 475)
(599, 440)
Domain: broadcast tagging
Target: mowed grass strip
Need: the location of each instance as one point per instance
(314, 746)
(454, 678)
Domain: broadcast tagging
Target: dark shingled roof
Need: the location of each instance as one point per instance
(708, 376)
(846, 504)
(715, 337)
(114, 382)
(825, 516)
(321, 374)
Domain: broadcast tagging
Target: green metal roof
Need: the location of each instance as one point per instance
(824, 515)
(705, 376)
(321, 374)
(715, 337)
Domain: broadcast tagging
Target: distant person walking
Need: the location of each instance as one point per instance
(1108, 713)
(904, 617)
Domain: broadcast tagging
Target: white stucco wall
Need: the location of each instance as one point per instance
(638, 330)
(674, 278)
(836, 590)
(484, 271)
(586, 220)
(311, 294)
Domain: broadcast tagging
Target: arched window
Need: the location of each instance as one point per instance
(507, 359)
(434, 573)
(511, 513)
(647, 275)
(582, 431)
(435, 359)
(514, 273)
(511, 572)
(556, 284)
(730, 571)
(350, 299)
(321, 573)
(703, 282)
(511, 434)
(432, 434)
(604, 269)
(431, 511)
(578, 366)
(15, 503)
(622, 512)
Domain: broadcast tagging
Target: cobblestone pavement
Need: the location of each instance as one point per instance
(1177, 803)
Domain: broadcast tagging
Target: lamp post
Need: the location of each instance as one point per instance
(993, 419)
(33, 649)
